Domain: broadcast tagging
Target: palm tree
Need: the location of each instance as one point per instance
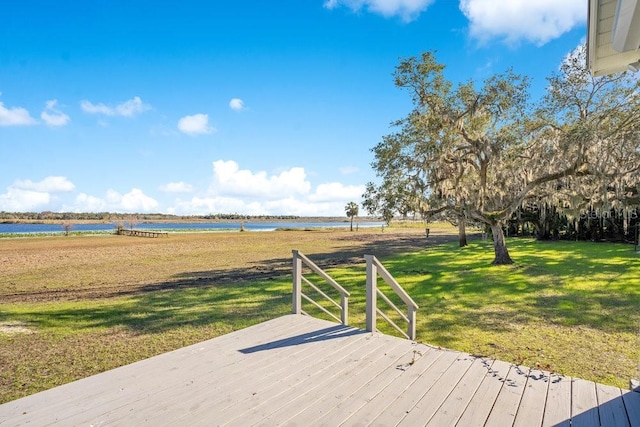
(352, 210)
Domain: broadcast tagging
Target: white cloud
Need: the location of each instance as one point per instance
(26, 195)
(134, 201)
(51, 184)
(176, 187)
(87, 203)
(335, 191)
(408, 10)
(137, 201)
(514, 20)
(348, 170)
(235, 190)
(15, 116)
(236, 104)
(18, 200)
(52, 116)
(197, 124)
(128, 108)
(230, 180)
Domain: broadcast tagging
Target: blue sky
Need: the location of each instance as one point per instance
(243, 106)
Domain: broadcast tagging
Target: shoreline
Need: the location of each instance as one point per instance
(188, 220)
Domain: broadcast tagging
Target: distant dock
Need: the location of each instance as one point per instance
(141, 233)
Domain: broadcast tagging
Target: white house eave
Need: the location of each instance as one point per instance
(625, 35)
(603, 16)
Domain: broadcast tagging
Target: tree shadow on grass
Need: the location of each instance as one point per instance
(588, 285)
(238, 304)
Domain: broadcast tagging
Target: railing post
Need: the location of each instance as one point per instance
(372, 277)
(297, 283)
(344, 315)
(411, 315)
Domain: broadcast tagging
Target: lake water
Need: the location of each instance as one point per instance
(176, 227)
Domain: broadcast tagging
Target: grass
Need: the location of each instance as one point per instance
(95, 303)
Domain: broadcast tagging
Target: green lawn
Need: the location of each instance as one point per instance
(572, 308)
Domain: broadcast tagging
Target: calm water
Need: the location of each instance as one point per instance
(179, 226)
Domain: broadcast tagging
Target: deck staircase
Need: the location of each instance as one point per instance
(375, 269)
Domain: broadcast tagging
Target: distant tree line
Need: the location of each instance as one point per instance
(115, 217)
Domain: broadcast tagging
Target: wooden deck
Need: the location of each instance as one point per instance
(299, 371)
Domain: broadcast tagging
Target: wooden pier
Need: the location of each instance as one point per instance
(141, 233)
(296, 370)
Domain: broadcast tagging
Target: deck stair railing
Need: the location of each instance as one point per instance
(375, 268)
(298, 278)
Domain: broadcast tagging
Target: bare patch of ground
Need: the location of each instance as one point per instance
(14, 328)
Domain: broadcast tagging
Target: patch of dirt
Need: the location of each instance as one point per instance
(14, 328)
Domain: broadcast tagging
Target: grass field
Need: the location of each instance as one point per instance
(74, 306)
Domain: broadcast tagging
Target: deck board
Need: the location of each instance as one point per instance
(481, 404)
(508, 401)
(456, 403)
(431, 401)
(612, 412)
(531, 409)
(297, 370)
(558, 408)
(584, 404)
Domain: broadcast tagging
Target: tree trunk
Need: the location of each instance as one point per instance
(499, 245)
(462, 232)
(351, 228)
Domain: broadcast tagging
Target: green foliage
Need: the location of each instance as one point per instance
(480, 150)
(352, 210)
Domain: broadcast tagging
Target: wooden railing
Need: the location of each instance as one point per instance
(375, 268)
(298, 279)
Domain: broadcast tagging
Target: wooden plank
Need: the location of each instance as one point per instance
(397, 410)
(409, 373)
(452, 409)
(480, 405)
(508, 400)
(101, 393)
(343, 387)
(153, 382)
(611, 406)
(431, 401)
(631, 401)
(220, 396)
(244, 384)
(531, 409)
(584, 404)
(221, 388)
(557, 411)
(366, 396)
(296, 394)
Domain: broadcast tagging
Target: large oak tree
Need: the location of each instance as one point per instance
(481, 150)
